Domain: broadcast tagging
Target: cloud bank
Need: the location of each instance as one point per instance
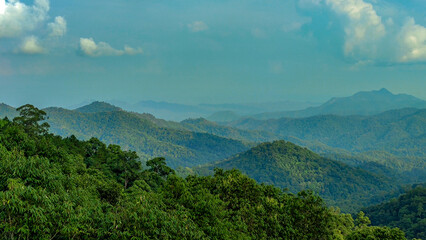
(412, 39)
(370, 39)
(90, 48)
(27, 23)
(17, 18)
(364, 29)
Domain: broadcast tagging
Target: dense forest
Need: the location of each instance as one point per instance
(142, 133)
(390, 144)
(286, 165)
(398, 135)
(407, 212)
(62, 188)
(132, 131)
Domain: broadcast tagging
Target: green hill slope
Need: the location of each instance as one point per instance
(400, 134)
(407, 212)
(204, 126)
(56, 188)
(287, 165)
(131, 131)
(96, 107)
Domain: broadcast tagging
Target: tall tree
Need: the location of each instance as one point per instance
(29, 117)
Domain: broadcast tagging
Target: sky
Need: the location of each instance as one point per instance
(62, 52)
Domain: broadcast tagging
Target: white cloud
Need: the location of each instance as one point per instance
(364, 29)
(58, 28)
(90, 48)
(198, 26)
(16, 18)
(412, 40)
(369, 39)
(31, 45)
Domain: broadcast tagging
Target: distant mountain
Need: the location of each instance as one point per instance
(204, 126)
(96, 107)
(398, 131)
(138, 132)
(179, 112)
(396, 138)
(165, 110)
(223, 116)
(287, 165)
(7, 111)
(406, 212)
(361, 103)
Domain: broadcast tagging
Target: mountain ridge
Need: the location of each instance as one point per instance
(361, 103)
(287, 165)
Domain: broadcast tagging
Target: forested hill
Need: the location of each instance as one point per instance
(186, 143)
(401, 133)
(287, 165)
(56, 188)
(361, 103)
(407, 212)
(131, 131)
(96, 107)
(205, 126)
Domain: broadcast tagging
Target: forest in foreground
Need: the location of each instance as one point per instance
(61, 188)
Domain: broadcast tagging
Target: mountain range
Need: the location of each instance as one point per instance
(361, 103)
(395, 138)
(178, 112)
(135, 132)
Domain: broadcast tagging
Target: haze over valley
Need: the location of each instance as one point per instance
(298, 119)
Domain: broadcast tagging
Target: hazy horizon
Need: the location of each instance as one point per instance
(62, 53)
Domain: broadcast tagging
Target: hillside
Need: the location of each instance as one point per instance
(361, 103)
(287, 165)
(133, 131)
(223, 116)
(7, 111)
(51, 187)
(204, 126)
(406, 212)
(400, 133)
(96, 107)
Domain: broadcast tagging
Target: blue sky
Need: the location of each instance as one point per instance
(196, 51)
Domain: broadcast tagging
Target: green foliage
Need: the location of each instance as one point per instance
(55, 188)
(29, 116)
(406, 212)
(133, 131)
(363, 231)
(395, 139)
(204, 126)
(286, 165)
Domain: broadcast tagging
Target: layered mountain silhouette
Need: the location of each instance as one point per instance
(148, 136)
(361, 103)
(96, 107)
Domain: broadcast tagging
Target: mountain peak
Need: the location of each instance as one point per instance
(98, 106)
(384, 90)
